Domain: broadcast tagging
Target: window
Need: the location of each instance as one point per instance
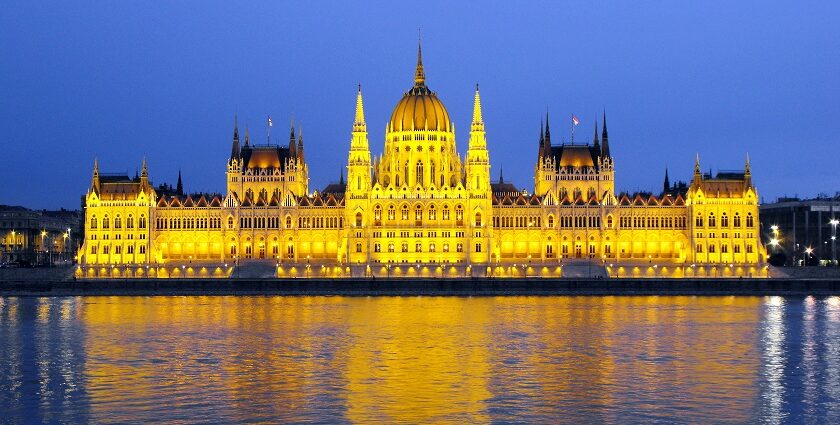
(698, 222)
(418, 247)
(358, 219)
(142, 221)
(418, 214)
(404, 247)
(405, 212)
(432, 247)
(459, 247)
(390, 247)
(129, 222)
(358, 247)
(377, 247)
(142, 249)
(736, 248)
(391, 213)
(551, 221)
(432, 213)
(724, 248)
(289, 221)
(699, 248)
(478, 221)
(478, 247)
(105, 223)
(749, 220)
(711, 219)
(724, 220)
(230, 222)
(93, 222)
(93, 249)
(446, 213)
(130, 249)
(106, 249)
(117, 222)
(737, 220)
(711, 248)
(749, 249)
(609, 221)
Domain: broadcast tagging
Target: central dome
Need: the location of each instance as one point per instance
(420, 109)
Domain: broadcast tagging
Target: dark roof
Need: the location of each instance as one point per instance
(267, 156)
(335, 188)
(575, 155)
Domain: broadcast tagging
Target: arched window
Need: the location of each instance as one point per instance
(129, 222)
(392, 213)
(230, 222)
(698, 221)
(609, 221)
(459, 213)
(105, 222)
(551, 221)
(288, 222)
(749, 220)
(93, 222)
(418, 213)
(478, 219)
(711, 219)
(358, 219)
(377, 215)
(142, 221)
(737, 220)
(405, 212)
(420, 172)
(432, 213)
(724, 220)
(117, 222)
(446, 212)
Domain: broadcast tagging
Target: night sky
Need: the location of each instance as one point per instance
(120, 80)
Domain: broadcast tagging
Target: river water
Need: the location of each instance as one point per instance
(420, 359)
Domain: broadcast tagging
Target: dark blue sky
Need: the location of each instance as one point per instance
(120, 80)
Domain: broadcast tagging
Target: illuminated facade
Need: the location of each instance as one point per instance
(422, 209)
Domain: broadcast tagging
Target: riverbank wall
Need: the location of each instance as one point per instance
(421, 287)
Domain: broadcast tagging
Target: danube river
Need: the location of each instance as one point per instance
(420, 359)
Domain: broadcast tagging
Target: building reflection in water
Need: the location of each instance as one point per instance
(419, 359)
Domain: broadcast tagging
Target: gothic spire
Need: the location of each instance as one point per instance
(747, 170)
(542, 139)
(419, 74)
(341, 178)
(595, 142)
(501, 174)
(300, 144)
(247, 136)
(605, 144)
(359, 122)
(477, 121)
(144, 171)
(179, 187)
(666, 185)
(547, 131)
(234, 151)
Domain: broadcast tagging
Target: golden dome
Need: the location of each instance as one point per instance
(576, 156)
(419, 108)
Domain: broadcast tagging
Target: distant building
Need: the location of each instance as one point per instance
(803, 229)
(38, 237)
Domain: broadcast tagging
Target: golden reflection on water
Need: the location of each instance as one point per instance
(421, 359)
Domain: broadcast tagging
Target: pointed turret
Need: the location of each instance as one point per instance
(477, 121)
(179, 188)
(359, 124)
(341, 176)
(234, 151)
(501, 175)
(419, 74)
(595, 142)
(605, 144)
(95, 180)
(747, 171)
(666, 185)
(292, 142)
(542, 139)
(547, 132)
(300, 145)
(698, 174)
(247, 136)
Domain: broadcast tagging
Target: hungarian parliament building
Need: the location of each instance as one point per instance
(422, 209)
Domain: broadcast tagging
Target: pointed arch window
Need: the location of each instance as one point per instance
(420, 172)
(93, 222)
(724, 220)
(712, 222)
(736, 221)
(749, 220)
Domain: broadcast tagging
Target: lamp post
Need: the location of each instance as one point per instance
(808, 252)
(43, 249)
(834, 222)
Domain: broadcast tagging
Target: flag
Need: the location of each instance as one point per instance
(575, 120)
(269, 121)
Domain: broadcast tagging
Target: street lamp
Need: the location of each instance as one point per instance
(834, 222)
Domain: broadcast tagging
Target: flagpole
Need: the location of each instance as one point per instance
(573, 129)
(268, 141)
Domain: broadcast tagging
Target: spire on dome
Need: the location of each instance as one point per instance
(666, 185)
(179, 187)
(477, 121)
(697, 165)
(501, 175)
(747, 170)
(144, 172)
(359, 122)
(419, 74)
